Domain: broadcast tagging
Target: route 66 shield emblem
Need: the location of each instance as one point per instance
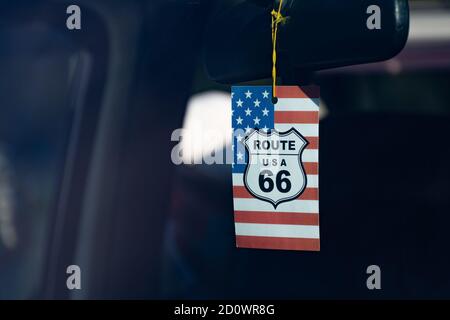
(274, 171)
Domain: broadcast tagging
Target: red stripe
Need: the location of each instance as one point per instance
(297, 92)
(277, 243)
(313, 143)
(308, 194)
(296, 117)
(306, 219)
(311, 167)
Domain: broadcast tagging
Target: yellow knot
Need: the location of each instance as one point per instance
(277, 18)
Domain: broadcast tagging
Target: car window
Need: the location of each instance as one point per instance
(39, 67)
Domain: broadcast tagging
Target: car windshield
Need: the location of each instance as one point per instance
(90, 120)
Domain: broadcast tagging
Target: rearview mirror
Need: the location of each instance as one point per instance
(319, 34)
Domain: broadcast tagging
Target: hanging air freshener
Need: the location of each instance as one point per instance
(275, 170)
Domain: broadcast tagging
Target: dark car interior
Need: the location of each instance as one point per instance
(86, 177)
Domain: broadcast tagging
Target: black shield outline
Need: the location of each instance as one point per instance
(279, 134)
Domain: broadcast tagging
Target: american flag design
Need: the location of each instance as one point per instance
(266, 222)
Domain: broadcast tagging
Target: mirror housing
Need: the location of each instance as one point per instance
(317, 35)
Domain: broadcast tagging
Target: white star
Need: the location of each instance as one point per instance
(257, 120)
(248, 129)
(232, 112)
(248, 112)
(239, 138)
(232, 147)
(265, 94)
(257, 103)
(248, 94)
(239, 103)
(240, 156)
(265, 112)
(232, 95)
(265, 129)
(239, 120)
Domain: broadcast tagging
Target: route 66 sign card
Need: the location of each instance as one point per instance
(275, 167)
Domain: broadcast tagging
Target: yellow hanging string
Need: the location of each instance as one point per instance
(277, 18)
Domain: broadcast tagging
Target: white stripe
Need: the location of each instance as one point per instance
(238, 179)
(310, 155)
(313, 180)
(253, 204)
(277, 230)
(307, 130)
(298, 104)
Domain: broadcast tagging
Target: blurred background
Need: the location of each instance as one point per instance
(86, 177)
